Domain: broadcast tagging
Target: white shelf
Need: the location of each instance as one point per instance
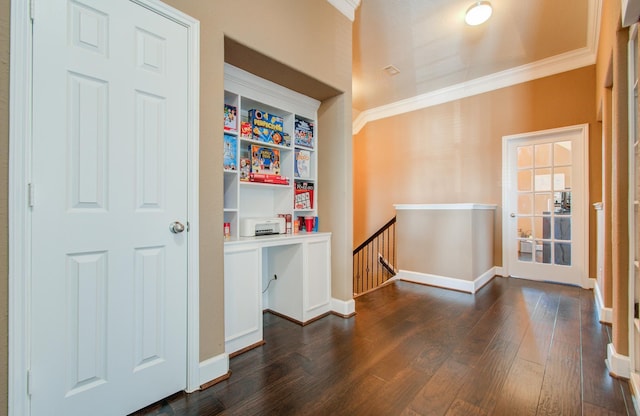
(246, 199)
(249, 184)
(273, 145)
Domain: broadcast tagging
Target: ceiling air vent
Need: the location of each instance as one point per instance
(392, 70)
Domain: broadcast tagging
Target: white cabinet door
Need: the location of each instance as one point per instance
(317, 287)
(242, 297)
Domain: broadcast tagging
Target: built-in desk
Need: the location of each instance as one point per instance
(301, 292)
(447, 245)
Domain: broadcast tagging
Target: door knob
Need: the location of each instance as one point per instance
(176, 227)
(513, 215)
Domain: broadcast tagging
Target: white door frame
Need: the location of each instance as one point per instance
(20, 136)
(583, 131)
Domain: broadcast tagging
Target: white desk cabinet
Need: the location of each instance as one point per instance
(294, 271)
(242, 297)
(302, 290)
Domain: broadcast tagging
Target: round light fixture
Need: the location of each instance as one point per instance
(478, 13)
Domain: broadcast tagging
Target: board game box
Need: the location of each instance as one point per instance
(302, 168)
(266, 127)
(230, 118)
(265, 160)
(303, 198)
(303, 133)
(229, 153)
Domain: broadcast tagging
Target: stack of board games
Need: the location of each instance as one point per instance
(268, 178)
(266, 127)
(265, 159)
(303, 198)
(230, 118)
(303, 133)
(229, 152)
(302, 168)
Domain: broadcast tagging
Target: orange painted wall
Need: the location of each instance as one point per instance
(452, 153)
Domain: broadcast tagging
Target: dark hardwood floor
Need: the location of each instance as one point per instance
(515, 348)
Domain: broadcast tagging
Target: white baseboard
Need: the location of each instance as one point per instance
(618, 365)
(499, 270)
(343, 307)
(469, 286)
(634, 383)
(605, 315)
(214, 368)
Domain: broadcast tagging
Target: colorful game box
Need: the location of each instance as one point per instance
(245, 168)
(302, 168)
(266, 127)
(303, 198)
(230, 118)
(229, 153)
(245, 130)
(265, 160)
(303, 133)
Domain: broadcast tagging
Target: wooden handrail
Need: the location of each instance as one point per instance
(376, 234)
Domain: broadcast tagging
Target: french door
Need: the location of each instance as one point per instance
(545, 224)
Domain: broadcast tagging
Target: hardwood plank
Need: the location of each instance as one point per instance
(440, 391)
(462, 408)
(483, 386)
(593, 410)
(561, 387)
(521, 389)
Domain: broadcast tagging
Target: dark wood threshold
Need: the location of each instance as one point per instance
(215, 381)
(245, 349)
(341, 315)
(295, 321)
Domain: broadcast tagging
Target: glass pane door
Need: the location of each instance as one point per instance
(544, 218)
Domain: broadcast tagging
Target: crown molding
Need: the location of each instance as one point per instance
(545, 67)
(346, 7)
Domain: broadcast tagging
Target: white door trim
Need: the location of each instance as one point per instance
(583, 131)
(20, 136)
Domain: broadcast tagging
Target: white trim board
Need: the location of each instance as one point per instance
(507, 78)
(213, 368)
(346, 7)
(449, 207)
(343, 307)
(468, 286)
(564, 62)
(617, 364)
(605, 315)
(20, 136)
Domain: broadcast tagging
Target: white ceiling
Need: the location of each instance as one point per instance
(428, 41)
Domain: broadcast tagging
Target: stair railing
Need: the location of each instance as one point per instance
(374, 261)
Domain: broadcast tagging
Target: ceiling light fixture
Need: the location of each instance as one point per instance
(478, 13)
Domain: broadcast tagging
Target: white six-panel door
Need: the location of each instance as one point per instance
(109, 278)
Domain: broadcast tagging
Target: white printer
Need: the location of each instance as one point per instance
(253, 227)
